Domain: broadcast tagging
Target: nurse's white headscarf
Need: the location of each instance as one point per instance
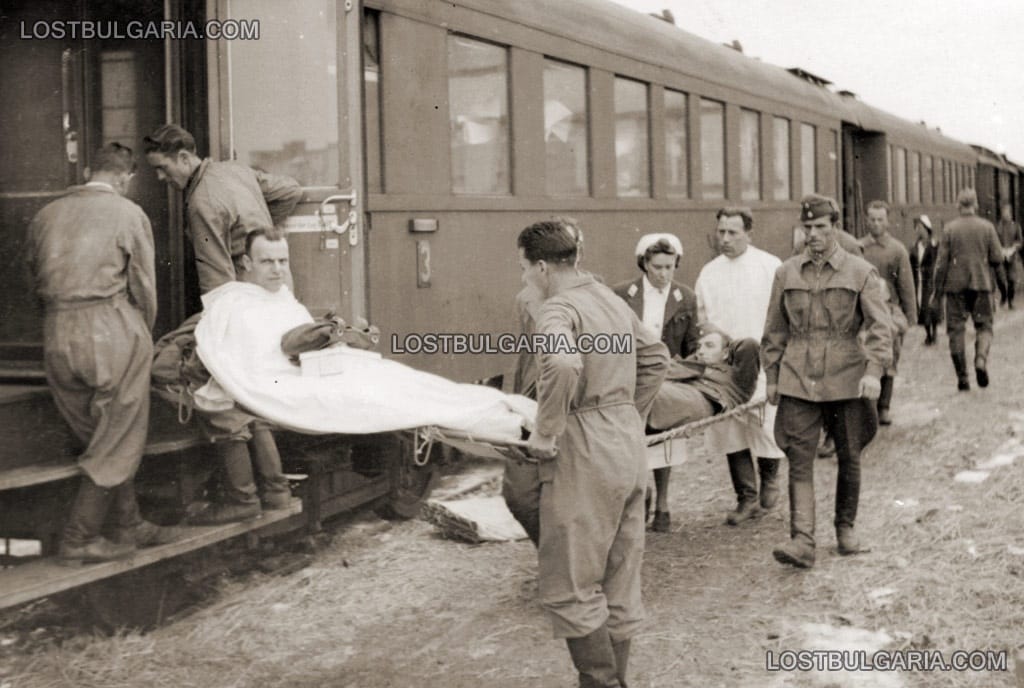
(648, 240)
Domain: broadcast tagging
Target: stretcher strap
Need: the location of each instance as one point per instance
(688, 430)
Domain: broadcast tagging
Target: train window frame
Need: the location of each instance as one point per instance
(751, 155)
(677, 138)
(782, 161)
(913, 177)
(550, 130)
(502, 180)
(808, 159)
(927, 181)
(643, 167)
(900, 175)
(373, 142)
(706, 107)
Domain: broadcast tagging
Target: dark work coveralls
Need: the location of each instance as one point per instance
(811, 352)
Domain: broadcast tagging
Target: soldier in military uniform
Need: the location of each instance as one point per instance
(968, 253)
(891, 259)
(820, 375)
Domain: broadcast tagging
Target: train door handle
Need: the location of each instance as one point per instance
(351, 223)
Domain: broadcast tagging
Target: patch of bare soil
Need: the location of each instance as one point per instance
(395, 605)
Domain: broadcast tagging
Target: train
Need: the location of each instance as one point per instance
(425, 134)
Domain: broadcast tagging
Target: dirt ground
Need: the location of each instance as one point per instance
(392, 604)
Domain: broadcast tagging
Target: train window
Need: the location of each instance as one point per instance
(889, 171)
(927, 182)
(900, 176)
(632, 152)
(712, 148)
(914, 178)
(371, 100)
(479, 124)
(750, 155)
(565, 129)
(677, 151)
(780, 141)
(117, 101)
(808, 159)
(295, 132)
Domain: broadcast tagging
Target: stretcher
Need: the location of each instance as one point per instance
(667, 448)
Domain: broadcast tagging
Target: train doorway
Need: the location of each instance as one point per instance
(64, 96)
(865, 174)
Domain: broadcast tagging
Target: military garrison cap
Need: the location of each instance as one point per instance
(813, 206)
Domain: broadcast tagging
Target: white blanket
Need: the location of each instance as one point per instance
(239, 342)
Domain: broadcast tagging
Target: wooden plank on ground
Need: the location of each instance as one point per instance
(44, 577)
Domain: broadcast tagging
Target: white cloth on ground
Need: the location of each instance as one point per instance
(239, 341)
(733, 294)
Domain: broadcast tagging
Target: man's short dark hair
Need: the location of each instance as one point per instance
(737, 211)
(553, 241)
(168, 140)
(879, 205)
(271, 234)
(113, 158)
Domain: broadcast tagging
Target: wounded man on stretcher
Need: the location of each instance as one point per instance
(239, 340)
(720, 376)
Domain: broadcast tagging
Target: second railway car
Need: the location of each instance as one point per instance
(425, 134)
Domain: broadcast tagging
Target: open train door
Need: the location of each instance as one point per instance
(865, 174)
(285, 97)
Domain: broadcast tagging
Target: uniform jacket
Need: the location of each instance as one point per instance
(527, 303)
(1010, 236)
(679, 332)
(727, 384)
(924, 274)
(810, 348)
(890, 258)
(968, 250)
(224, 201)
(117, 257)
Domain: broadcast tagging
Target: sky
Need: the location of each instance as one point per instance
(955, 64)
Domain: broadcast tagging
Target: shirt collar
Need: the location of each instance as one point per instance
(835, 258)
(650, 288)
(193, 181)
(98, 186)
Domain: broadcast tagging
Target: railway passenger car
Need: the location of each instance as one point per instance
(425, 134)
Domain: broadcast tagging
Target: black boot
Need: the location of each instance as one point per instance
(81, 540)
(769, 472)
(982, 345)
(744, 482)
(240, 501)
(621, 650)
(799, 551)
(963, 383)
(884, 399)
(130, 527)
(594, 659)
(267, 461)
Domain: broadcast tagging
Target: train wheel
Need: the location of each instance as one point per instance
(412, 478)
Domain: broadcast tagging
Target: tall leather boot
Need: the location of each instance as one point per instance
(240, 501)
(594, 659)
(130, 527)
(847, 500)
(621, 650)
(769, 473)
(267, 461)
(884, 399)
(799, 551)
(81, 540)
(982, 345)
(963, 383)
(744, 482)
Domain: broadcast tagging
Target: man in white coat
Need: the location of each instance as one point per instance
(732, 292)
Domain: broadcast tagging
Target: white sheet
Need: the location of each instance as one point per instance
(239, 341)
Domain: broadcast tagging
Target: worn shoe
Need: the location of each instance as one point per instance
(982, 375)
(744, 512)
(797, 552)
(276, 499)
(662, 522)
(848, 542)
(884, 418)
(94, 550)
(224, 512)
(963, 385)
(769, 472)
(146, 534)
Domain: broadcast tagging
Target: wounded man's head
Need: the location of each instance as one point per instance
(266, 259)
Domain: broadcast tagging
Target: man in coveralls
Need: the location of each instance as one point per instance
(819, 374)
(91, 255)
(890, 257)
(590, 441)
(224, 202)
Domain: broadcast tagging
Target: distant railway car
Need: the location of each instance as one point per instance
(425, 134)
